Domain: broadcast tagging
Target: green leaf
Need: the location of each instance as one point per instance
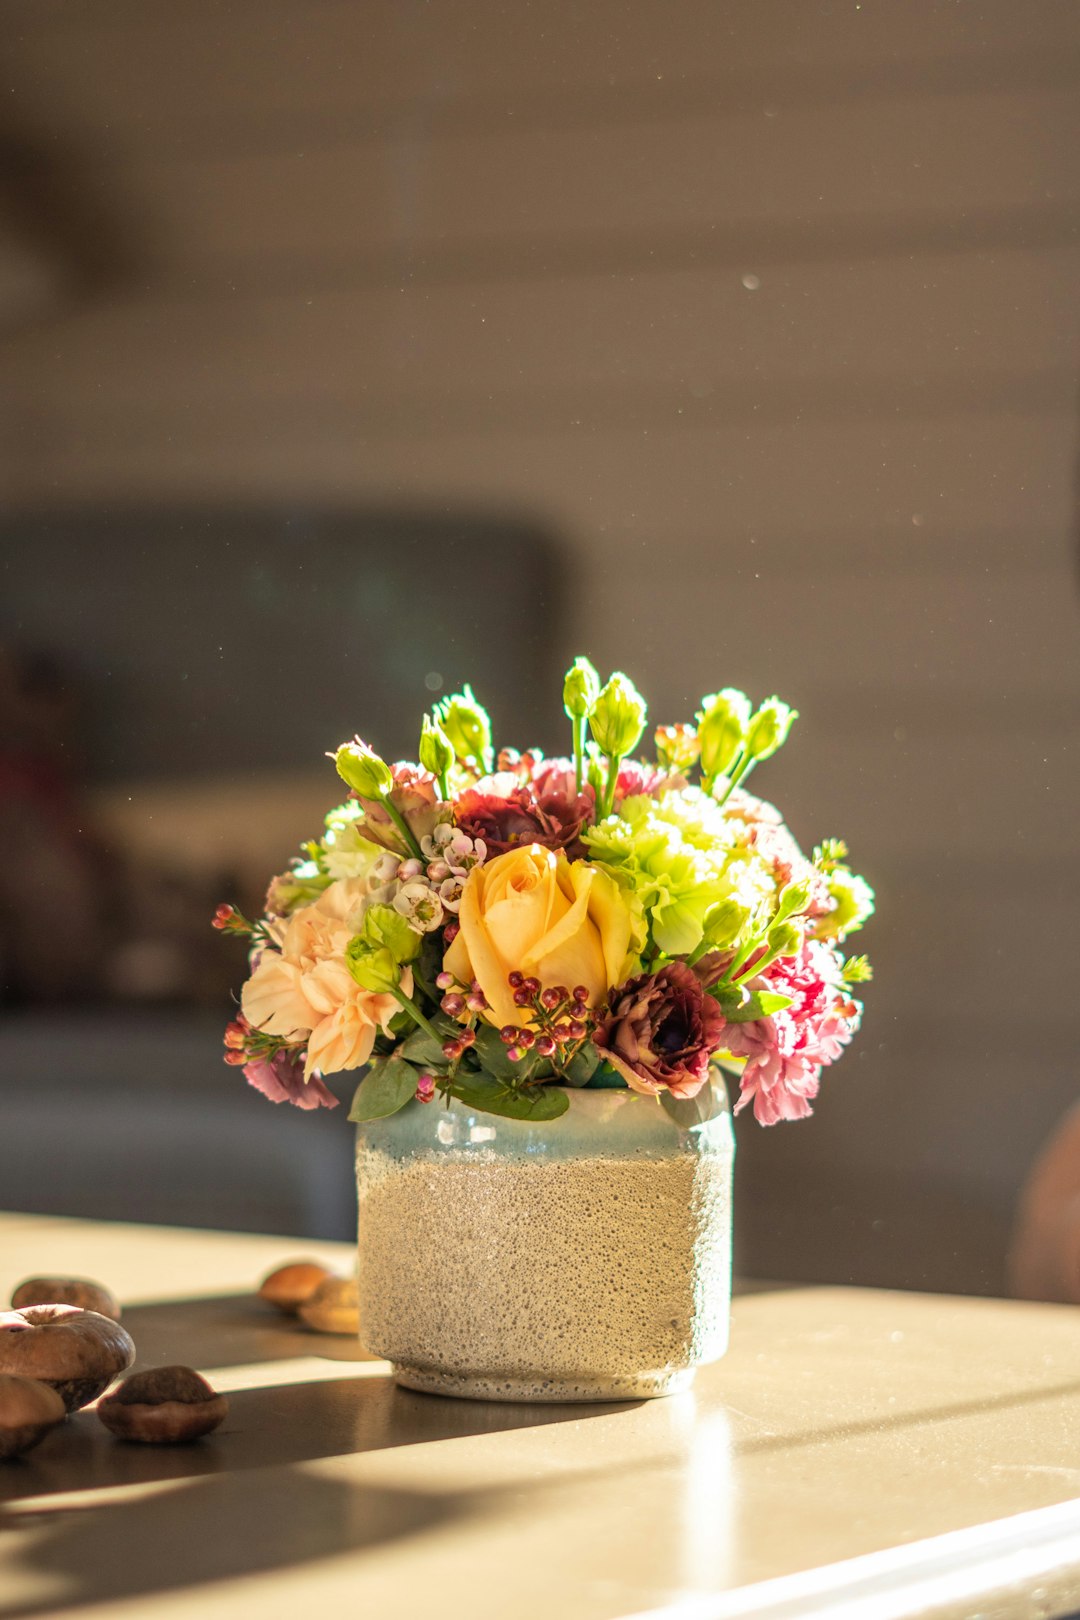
(490, 1096)
(582, 1066)
(388, 1085)
(690, 1112)
(420, 1048)
(491, 1053)
(758, 1004)
(605, 1078)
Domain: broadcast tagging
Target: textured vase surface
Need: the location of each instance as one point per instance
(584, 1259)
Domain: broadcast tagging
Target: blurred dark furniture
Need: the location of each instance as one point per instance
(199, 646)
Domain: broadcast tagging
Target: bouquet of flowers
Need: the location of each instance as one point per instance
(500, 928)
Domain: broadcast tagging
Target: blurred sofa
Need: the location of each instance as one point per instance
(170, 679)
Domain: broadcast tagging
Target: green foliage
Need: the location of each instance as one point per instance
(387, 1086)
(857, 970)
(492, 1096)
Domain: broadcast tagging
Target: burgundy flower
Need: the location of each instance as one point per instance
(661, 1030)
(281, 1078)
(507, 812)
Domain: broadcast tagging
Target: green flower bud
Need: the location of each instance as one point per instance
(386, 929)
(617, 718)
(373, 970)
(466, 725)
(769, 728)
(724, 923)
(784, 939)
(793, 900)
(581, 689)
(722, 722)
(363, 770)
(436, 752)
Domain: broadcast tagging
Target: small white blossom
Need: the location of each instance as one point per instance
(420, 906)
(450, 892)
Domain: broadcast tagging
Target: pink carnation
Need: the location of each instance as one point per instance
(281, 1078)
(636, 778)
(786, 1052)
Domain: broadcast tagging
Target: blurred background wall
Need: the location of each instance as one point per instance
(757, 321)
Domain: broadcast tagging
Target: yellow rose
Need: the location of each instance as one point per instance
(533, 911)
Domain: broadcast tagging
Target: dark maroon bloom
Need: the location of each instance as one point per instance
(661, 1030)
(509, 813)
(281, 1078)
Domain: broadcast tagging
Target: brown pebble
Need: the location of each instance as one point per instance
(80, 1291)
(290, 1286)
(333, 1307)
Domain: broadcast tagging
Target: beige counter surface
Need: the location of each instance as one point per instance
(857, 1453)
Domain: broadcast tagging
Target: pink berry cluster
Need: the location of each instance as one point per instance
(562, 1020)
(461, 1001)
(227, 920)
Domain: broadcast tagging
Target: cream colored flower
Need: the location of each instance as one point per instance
(344, 1038)
(306, 980)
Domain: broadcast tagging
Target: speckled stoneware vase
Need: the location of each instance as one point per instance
(586, 1259)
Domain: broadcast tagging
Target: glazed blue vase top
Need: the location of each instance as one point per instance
(585, 1258)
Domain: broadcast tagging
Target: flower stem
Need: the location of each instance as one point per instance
(742, 769)
(404, 829)
(614, 761)
(578, 725)
(414, 1012)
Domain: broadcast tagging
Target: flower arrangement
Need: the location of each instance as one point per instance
(498, 929)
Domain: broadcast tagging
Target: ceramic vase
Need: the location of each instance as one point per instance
(587, 1258)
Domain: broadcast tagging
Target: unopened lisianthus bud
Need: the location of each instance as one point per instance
(581, 689)
(784, 939)
(677, 747)
(466, 726)
(374, 970)
(436, 752)
(724, 922)
(769, 728)
(363, 770)
(617, 718)
(722, 723)
(793, 900)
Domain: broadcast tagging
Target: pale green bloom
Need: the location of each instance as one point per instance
(679, 856)
(345, 852)
(854, 903)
